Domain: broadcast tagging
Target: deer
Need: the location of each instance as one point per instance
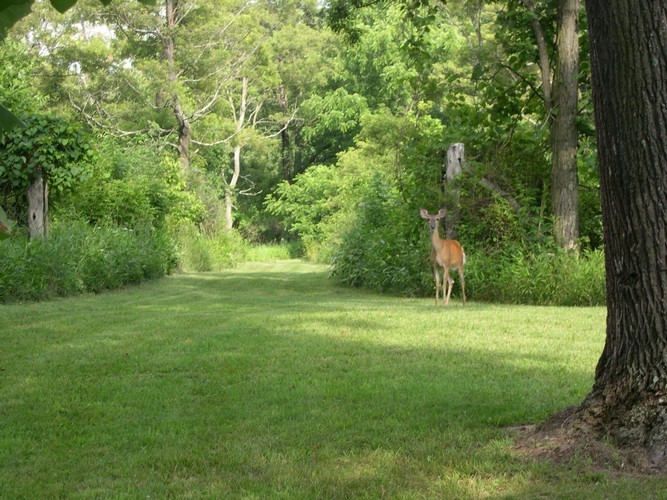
(447, 254)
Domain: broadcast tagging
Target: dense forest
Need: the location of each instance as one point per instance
(191, 130)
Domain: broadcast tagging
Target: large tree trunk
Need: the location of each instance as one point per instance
(564, 179)
(628, 42)
(454, 166)
(38, 207)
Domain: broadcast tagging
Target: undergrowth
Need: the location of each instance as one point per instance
(77, 258)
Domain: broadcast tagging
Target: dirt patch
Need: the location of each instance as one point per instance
(560, 441)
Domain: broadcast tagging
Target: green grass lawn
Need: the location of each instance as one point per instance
(270, 381)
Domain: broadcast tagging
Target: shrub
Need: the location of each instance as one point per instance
(203, 252)
(540, 277)
(308, 207)
(77, 258)
(384, 248)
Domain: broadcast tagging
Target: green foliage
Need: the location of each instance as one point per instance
(19, 89)
(53, 147)
(10, 13)
(389, 176)
(333, 122)
(77, 258)
(539, 276)
(496, 225)
(122, 203)
(382, 248)
(202, 252)
(386, 248)
(307, 206)
(590, 214)
(58, 147)
(5, 225)
(132, 184)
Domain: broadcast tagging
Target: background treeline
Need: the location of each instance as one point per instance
(183, 135)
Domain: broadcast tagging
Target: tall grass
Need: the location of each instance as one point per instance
(77, 258)
(201, 251)
(266, 381)
(542, 277)
(275, 251)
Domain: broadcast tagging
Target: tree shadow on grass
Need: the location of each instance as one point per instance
(253, 383)
(327, 363)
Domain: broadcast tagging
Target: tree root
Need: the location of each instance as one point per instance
(572, 439)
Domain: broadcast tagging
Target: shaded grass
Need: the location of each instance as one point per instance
(268, 381)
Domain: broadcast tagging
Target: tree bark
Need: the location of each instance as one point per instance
(38, 207)
(454, 167)
(564, 178)
(560, 104)
(628, 43)
(230, 189)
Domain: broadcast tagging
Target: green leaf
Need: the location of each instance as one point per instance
(62, 5)
(8, 120)
(11, 12)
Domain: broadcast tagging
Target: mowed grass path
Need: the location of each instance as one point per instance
(269, 381)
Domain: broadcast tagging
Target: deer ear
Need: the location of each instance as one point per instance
(423, 213)
(441, 213)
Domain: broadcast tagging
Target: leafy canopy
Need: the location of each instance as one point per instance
(10, 13)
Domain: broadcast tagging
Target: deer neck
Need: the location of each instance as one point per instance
(435, 239)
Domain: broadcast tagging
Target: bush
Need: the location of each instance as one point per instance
(203, 252)
(541, 277)
(385, 247)
(77, 258)
(308, 206)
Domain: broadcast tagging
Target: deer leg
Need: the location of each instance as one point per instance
(463, 285)
(450, 284)
(436, 273)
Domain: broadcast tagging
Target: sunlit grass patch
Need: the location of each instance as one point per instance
(269, 381)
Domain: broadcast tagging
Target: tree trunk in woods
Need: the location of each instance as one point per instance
(240, 120)
(564, 178)
(38, 207)
(231, 188)
(560, 104)
(169, 50)
(543, 53)
(454, 167)
(628, 43)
